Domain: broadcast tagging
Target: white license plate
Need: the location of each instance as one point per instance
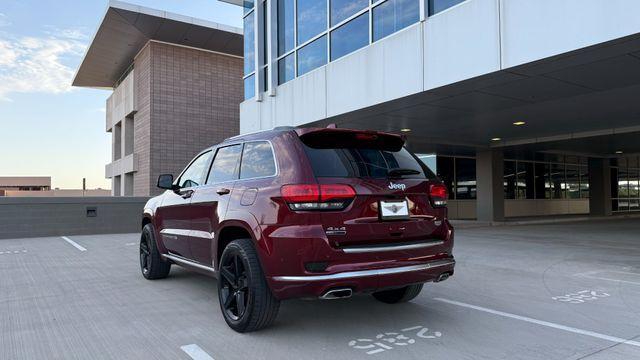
(393, 210)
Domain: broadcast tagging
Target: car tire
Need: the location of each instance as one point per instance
(246, 301)
(401, 295)
(152, 265)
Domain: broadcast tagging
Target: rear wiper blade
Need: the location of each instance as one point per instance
(401, 172)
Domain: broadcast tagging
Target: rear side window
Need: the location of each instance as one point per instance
(363, 163)
(257, 160)
(225, 164)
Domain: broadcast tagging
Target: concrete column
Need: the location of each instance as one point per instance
(599, 187)
(490, 185)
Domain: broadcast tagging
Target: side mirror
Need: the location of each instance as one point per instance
(165, 181)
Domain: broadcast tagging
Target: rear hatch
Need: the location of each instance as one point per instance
(392, 202)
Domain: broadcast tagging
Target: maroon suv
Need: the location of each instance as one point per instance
(301, 213)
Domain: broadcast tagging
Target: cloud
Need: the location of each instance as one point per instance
(4, 20)
(37, 64)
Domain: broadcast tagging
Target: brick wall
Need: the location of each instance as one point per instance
(187, 100)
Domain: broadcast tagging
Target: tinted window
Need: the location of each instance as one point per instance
(525, 187)
(249, 48)
(342, 162)
(509, 179)
(194, 174)
(225, 164)
(465, 178)
(342, 9)
(558, 181)
(394, 15)
(350, 36)
(573, 182)
(312, 56)
(249, 87)
(286, 69)
(285, 26)
(257, 160)
(312, 19)
(435, 6)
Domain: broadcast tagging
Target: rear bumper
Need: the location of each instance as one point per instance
(366, 273)
(313, 286)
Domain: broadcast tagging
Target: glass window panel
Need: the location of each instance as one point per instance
(394, 15)
(542, 181)
(249, 47)
(350, 37)
(445, 167)
(312, 55)
(249, 87)
(436, 6)
(634, 183)
(194, 174)
(584, 182)
(257, 160)
(342, 9)
(573, 182)
(634, 204)
(248, 5)
(623, 183)
(614, 182)
(558, 181)
(509, 179)
(525, 187)
(285, 26)
(286, 69)
(465, 178)
(265, 33)
(225, 164)
(430, 161)
(312, 19)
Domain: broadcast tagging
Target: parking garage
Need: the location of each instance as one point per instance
(557, 291)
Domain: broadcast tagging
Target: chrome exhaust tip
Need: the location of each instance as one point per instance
(333, 294)
(443, 277)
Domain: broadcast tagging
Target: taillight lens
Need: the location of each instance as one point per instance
(317, 197)
(438, 194)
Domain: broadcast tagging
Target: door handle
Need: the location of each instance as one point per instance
(223, 191)
(186, 194)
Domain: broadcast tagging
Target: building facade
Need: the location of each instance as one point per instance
(40, 186)
(176, 91)
(523, 108)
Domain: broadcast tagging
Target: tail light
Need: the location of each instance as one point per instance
(317, 197)
(438, 195)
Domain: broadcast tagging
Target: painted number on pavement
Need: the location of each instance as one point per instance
(581, 296)
(390, 340)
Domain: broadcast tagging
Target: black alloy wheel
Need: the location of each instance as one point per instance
(235, 286)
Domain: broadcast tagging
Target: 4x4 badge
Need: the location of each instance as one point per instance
(394, 186)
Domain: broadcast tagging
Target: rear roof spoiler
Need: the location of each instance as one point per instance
(338, 137)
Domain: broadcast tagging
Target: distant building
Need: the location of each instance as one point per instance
(40, 186)
(177, 86)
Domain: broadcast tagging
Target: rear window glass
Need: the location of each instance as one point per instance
(257, 160)
(362, 162)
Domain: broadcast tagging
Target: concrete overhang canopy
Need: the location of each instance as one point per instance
(126, 28)
(234, 2)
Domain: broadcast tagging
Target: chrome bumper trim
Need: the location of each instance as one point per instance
(366, 273)
(370, 249)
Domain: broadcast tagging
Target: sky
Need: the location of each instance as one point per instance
(48, 128)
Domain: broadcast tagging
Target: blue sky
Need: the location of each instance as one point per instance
(48, 128)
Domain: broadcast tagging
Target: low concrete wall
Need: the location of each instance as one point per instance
(59, 216)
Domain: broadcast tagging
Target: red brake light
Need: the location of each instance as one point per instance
(300, 193)
(439, 195)
(317, 197)
(336, 192)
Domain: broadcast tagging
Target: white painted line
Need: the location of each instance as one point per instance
(544, 323)
(75, 244)
(196, 352)
(130, 244)
(608, 279)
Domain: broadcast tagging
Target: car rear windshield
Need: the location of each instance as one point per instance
(366, 163)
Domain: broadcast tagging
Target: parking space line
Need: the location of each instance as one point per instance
(614, 339)
(195, 352)
(73, 243)
(608, 279)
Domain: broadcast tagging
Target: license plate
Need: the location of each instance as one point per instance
(394, 210)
